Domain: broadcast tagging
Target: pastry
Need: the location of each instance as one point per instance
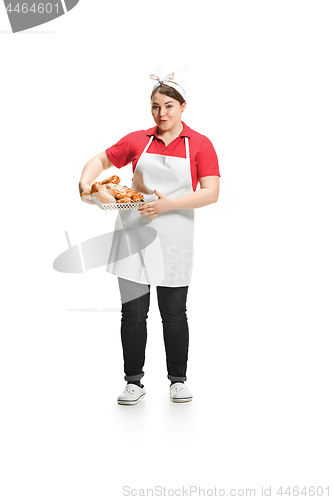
(103, 197)
(114, 179)
(134, 195)
(108, 188)
(96, 186)
(124, 200)
(87, 192)
(137, 197)
(114, 190)
(109, 191)
(119, 193)
(101, 194)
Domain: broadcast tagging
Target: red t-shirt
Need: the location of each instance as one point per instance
(203, 157)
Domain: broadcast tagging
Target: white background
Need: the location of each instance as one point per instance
(259, 79)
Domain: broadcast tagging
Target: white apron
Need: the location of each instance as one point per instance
(167, 261)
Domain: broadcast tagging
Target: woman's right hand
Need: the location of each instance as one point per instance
(91, 171)
(82, 187)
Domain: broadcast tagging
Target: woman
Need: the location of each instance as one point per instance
(168, 161)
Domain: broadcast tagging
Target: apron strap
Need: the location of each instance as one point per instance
(149, 143)
(187, 148)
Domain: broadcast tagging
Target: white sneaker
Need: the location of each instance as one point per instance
(180, 393)
(132, 395)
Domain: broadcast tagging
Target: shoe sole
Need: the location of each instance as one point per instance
(130, 403)
(181, 400)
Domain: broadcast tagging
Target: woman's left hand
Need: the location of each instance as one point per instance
(153, 208)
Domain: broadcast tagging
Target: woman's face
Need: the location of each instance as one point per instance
(166, 111)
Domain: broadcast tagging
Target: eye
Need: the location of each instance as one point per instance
(169, 106)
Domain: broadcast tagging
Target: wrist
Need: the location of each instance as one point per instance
(173, 203)
(83, 184)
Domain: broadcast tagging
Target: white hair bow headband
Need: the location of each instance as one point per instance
(168, 81)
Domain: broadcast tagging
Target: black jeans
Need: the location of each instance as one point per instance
(172, 306)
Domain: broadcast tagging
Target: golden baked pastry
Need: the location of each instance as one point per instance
(109, 191)
(137, 197)
(114, 179)
(124, 200)
(101, 194)
(114, 190)
(96, 186)
(119, 193)
(108, 188)
(86, 192)
(103, 197)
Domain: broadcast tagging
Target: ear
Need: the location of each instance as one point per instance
(183, 106)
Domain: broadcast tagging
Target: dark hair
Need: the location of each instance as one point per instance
(169, 91)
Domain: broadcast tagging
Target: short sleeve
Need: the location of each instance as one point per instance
(119, 154)
(207, 161)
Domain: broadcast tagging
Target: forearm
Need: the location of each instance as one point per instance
(197, 199)
(94, 168)
(91, 170)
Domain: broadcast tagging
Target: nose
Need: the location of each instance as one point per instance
(162, 111)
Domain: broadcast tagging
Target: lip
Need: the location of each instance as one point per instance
(163, 121)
